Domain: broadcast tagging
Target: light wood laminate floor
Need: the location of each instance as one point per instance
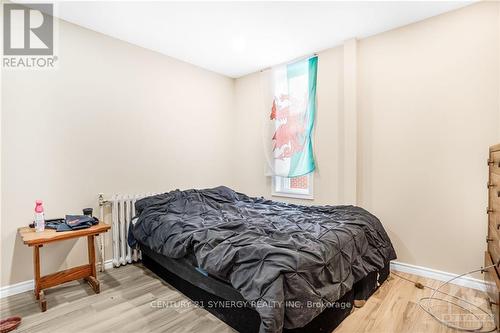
(133, 299)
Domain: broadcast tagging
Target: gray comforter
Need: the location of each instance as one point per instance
(288, 261)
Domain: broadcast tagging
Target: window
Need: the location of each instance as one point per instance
(297, 187)
(292, 115)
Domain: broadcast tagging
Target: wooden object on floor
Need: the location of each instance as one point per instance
(136, 300)
(87, 272)
(492, 256)
(359, 303)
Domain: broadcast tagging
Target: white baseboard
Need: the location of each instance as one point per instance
(17, 288)
(464, 281)
(108, 264)
(29, 285)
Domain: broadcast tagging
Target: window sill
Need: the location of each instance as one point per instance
(293, 195)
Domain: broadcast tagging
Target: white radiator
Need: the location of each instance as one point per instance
(122, 212)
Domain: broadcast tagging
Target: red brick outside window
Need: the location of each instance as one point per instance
(299, 182)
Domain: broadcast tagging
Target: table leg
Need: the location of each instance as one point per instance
(41, 301)
(36, 269)
(39, 295)
(92, 279)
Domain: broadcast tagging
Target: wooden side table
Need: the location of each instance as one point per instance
(87, 272)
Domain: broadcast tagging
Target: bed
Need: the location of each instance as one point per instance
(262, 265)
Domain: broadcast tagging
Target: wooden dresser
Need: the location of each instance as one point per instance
(492, 275)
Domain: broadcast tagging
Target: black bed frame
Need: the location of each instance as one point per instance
(246, 319)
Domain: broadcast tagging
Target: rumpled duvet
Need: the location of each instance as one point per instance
(288, 261)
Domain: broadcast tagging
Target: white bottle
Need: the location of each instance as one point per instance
(39, 218)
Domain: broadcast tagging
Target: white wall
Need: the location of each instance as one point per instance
(428, 105)
(428, 109)
(113, 118)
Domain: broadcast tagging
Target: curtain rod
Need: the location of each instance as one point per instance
(291, 61)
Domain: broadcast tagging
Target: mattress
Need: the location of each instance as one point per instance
(184, 269)
(207, 292)
(274, 254)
